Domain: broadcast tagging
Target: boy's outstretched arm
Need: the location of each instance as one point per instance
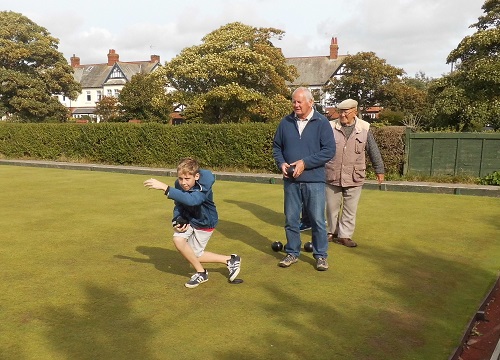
(155, 184)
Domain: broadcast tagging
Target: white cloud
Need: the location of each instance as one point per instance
(411, 34)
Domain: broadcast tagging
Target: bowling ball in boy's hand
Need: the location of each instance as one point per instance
(179, 220)
(290, 171)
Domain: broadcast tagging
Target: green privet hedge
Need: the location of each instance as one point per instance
(391, 143)
(233, 147)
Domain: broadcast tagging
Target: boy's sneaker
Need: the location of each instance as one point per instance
(197, 279)
(288, 260)
(304, 227)
(233, 265)
(321, 264)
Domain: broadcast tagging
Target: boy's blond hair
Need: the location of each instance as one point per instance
(189, 166)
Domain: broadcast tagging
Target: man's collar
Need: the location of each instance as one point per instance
(308, 117)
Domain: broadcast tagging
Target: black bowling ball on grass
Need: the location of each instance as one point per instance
(277, 246)
(308, 247)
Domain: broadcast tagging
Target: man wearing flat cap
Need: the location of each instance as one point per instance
(346, 171)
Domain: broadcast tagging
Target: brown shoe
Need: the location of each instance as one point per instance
(332, 237)
(345, 241)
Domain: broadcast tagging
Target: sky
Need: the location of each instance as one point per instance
(415, 35)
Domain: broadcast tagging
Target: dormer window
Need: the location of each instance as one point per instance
(116, 74)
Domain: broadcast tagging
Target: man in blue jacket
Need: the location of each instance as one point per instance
(303, 144)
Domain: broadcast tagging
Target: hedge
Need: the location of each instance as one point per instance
(230, 147)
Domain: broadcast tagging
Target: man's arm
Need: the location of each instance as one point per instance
(375, 157)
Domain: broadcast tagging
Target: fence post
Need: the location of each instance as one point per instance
(407, 150)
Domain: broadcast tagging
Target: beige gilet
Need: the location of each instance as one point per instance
(348, 166)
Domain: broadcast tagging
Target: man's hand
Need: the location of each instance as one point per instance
(300, 166)
(380, 178)
(155, 184)
(284, 169)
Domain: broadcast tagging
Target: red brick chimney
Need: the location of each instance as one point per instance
(334, 49)
(155, 59)
(75, 61)
(112, 57)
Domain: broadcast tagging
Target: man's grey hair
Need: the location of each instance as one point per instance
(307, 93)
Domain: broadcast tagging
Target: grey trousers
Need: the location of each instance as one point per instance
(341, 207)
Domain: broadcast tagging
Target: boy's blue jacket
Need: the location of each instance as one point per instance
(316, 146)
(196, 204)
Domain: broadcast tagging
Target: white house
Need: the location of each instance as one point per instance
(317, 71)
(107, 79)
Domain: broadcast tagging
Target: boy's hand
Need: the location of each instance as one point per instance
(155, 184)
(180, 224)
(181, 228)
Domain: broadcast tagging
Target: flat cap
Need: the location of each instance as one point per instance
(347, 104)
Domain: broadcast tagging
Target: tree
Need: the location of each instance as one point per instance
(32, 71)
(235, 75)
(469, 97)
(406, 99)
(139, 99)
(363, 78)
(420, 81)
(107, 109)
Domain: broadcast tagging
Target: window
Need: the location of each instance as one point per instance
(89, 97)
(116, 73)
(109, 92)
(99, 95)
(117, 92)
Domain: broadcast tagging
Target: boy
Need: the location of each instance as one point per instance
(195, 218)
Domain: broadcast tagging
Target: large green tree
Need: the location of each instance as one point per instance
(469, 97)
(363, 77)
(235, 75)
(32, 71)
(139, 99)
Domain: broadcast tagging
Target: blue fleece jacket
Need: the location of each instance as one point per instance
(196, 204)
(316, 146)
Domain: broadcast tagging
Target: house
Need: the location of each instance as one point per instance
(371, 113)
(107, 79)
(316, 71)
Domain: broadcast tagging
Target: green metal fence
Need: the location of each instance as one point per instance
(476, 154)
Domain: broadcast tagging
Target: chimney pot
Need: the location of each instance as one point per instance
(113, 57)
(155, 59)
(334, 49)
(75, 61)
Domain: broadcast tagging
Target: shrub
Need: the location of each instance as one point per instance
(491, 179)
